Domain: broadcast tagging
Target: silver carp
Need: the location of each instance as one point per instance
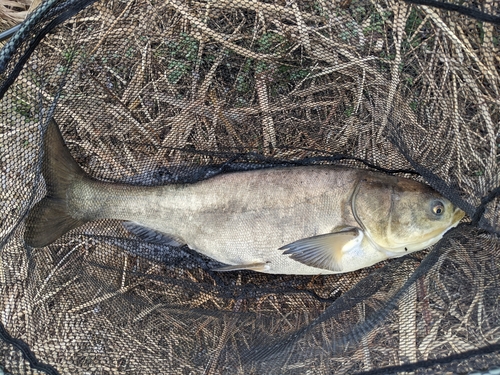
(296, 220)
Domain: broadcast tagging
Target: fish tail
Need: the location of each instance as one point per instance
(50, 218)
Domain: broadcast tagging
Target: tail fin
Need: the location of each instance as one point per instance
(49, 219)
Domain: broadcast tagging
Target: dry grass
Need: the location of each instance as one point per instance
(13, 12)
(158, 85)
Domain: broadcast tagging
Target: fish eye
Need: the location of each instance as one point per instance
(438, 208)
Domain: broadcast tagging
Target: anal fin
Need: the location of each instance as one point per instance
(259, 267)
(152, 235)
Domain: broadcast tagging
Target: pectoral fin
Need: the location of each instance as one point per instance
(324, 251)
(151, 235)
(259, 267)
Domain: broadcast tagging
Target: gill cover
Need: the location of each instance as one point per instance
(400, 215)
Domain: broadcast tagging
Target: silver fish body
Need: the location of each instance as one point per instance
(236, 218)
(300, 220)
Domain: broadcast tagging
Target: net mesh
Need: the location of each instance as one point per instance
(153, 93)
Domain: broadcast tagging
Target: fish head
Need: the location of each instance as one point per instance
(399, 215)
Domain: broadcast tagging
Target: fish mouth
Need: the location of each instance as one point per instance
(458, 215)
(438, 233)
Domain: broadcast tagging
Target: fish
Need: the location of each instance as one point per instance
(301, 220)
